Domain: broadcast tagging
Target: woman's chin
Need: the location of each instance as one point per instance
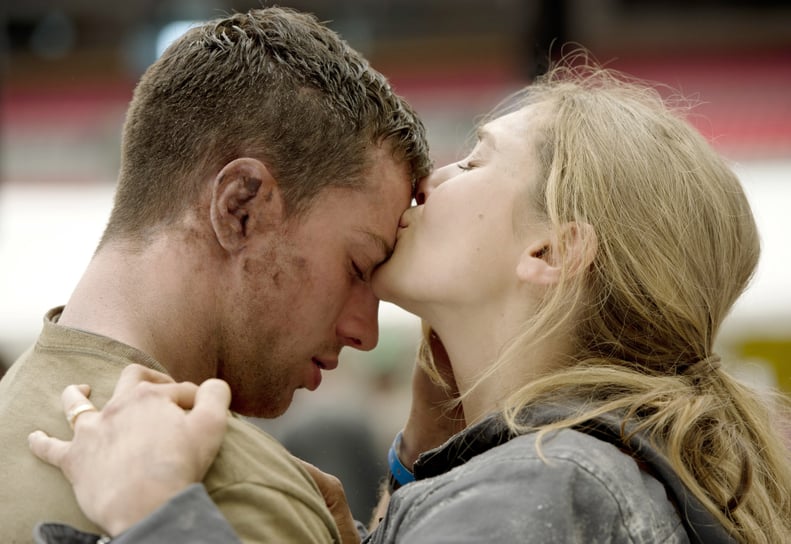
(397, 286)
(392, 291)
(384, 289)
(385, 283)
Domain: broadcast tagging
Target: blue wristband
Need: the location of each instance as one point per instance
(401, 474)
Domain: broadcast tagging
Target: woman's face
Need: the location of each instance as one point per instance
(460, 246)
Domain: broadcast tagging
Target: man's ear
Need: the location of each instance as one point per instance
(540, 263)
(245, 197)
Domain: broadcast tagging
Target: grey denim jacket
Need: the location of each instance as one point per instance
(584, 485)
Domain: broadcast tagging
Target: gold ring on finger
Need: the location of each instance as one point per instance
(75, 412)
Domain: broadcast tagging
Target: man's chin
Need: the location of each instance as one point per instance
(259, 410)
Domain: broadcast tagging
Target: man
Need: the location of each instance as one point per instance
(264, 169)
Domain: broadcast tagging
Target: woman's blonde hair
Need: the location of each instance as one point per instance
(676, 245)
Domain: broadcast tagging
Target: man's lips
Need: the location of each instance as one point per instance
(326, 364)
(314, 377)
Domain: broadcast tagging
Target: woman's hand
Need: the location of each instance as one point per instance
(142, 448)
(335, 498)
(436, 414)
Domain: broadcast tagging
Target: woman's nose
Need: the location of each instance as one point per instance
(422, 191)
(426, 185)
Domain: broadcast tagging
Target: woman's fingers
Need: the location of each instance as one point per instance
(74, 395)
(182, 394)
(134, 380)
(208, 419)
(335, 498)
(48, 449)
(137, 382)
(212, 400)
(134, 374)
(75, 403)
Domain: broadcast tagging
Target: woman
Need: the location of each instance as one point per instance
(577, 266)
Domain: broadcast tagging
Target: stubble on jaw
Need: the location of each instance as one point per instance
(260, 342)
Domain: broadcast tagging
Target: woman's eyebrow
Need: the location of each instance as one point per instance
(485, 137)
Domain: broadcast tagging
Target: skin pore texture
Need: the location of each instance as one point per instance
(306, 276)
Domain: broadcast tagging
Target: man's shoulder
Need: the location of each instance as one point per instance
(30, 400)
(41, 373)
(264, 492)
(245, 437)
(251, 455)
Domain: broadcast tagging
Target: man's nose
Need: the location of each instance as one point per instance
(358, 323)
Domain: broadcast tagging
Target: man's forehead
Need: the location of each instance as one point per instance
(384, 157)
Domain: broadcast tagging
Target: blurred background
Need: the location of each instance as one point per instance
(69, 67)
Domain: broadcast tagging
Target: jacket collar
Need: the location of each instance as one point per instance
(491, 432)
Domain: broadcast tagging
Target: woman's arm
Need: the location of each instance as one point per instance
(190, 517)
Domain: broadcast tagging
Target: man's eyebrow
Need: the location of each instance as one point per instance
(383, 245)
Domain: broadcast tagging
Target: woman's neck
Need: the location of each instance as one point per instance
(476, 338)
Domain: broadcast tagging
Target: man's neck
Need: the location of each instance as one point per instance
(138, 298)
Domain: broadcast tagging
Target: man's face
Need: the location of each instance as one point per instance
(306, 293)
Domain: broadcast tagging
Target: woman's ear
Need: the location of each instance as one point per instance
(536, 264)
(245, 197)
(541, 264)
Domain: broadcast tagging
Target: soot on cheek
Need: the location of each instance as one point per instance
(258, 268)
(300, 263)
(301, 273)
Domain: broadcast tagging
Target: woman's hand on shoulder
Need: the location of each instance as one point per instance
(152, 439)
